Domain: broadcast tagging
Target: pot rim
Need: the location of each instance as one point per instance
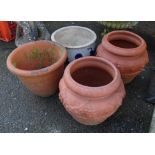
(88, 91)
(124, 51)
(76, 27)
(37, 72)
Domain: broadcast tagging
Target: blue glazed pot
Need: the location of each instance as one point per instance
(79, 41)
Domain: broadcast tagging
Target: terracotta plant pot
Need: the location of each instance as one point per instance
(91, 90)
(79, 41)
(39, 65)
(126, 50)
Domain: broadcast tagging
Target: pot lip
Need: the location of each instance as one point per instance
(37, 72)
(76, 27)
(123, 51)
(92, 91)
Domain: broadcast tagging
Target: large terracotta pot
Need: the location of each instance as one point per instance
(39, 65)
(126, 50)
(91, 90)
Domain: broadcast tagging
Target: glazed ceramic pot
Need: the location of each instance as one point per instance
(79, 41)
(91, 90)
(126, 50)
(39, 65)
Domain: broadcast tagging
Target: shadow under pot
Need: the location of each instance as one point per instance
(39, 65)
(91, 90)
(126, 50)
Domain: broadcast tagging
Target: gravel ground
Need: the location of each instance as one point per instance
(21, 111)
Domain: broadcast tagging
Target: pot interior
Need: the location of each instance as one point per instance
(124, 39)
(92, 76)
(74, 36)
(36, 57)
(123, 43)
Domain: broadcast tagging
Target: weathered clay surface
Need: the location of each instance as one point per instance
(91, 105)
(39, 65)
(126, 50)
